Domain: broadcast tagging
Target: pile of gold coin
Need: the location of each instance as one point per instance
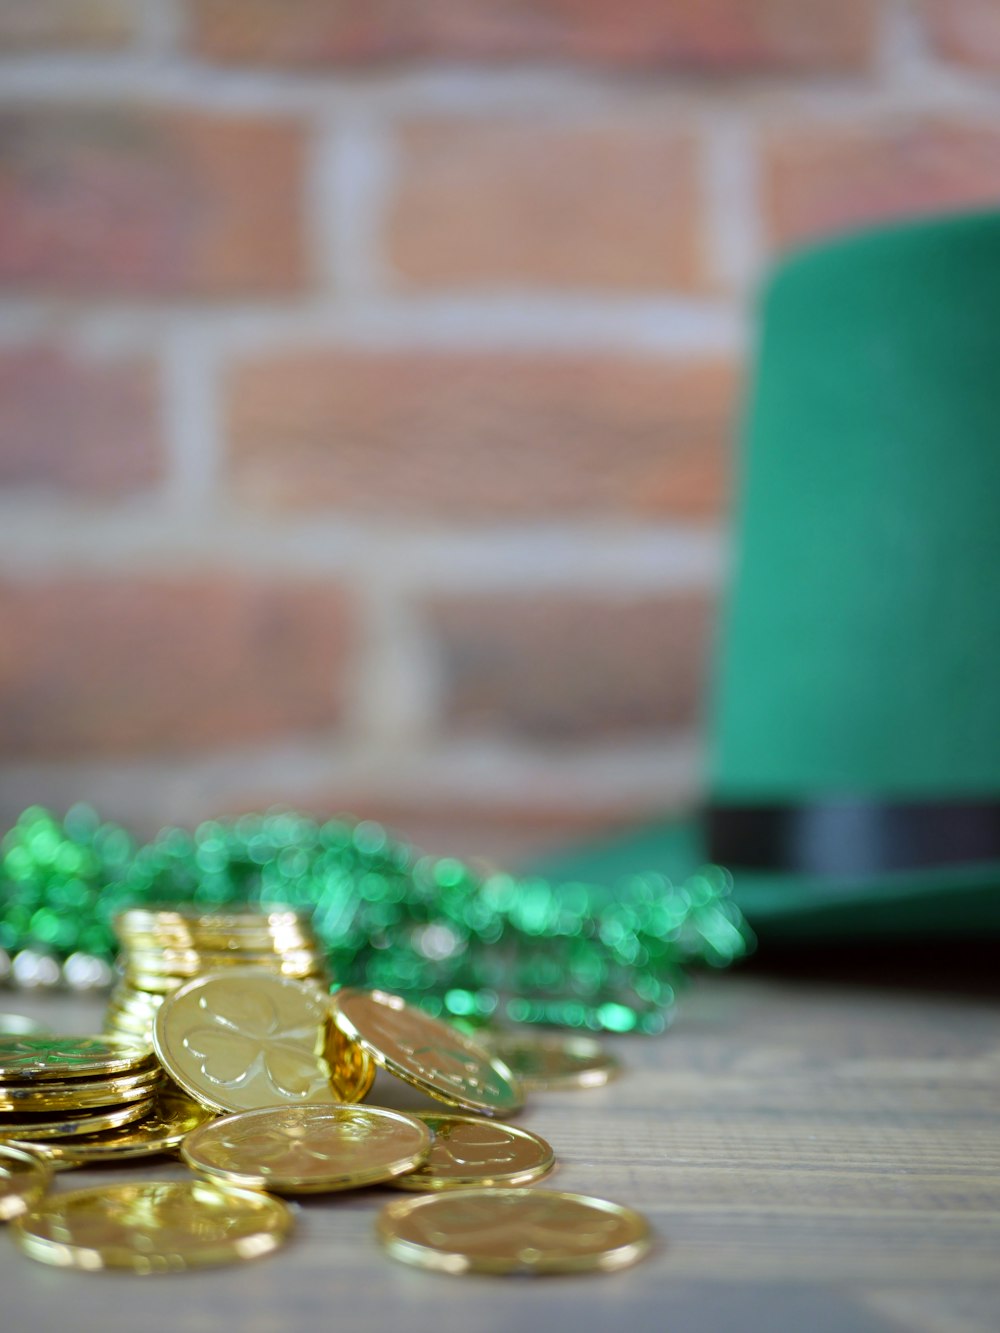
(161, 950)
(265, 1073)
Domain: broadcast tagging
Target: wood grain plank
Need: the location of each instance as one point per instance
(810, 1156)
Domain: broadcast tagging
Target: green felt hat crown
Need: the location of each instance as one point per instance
(860, 644)
(854, 728)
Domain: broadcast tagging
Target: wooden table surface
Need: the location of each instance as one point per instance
(812, 1156)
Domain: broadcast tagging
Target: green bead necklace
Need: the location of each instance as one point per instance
(462, 944)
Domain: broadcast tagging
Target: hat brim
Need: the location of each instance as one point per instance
(956, 902)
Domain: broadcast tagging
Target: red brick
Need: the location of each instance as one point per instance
(121, 201)
(27, 25)
(615, 205)
(824, 178)
(557, 668)
(132, 665)
(965, 31)
(75, 424)
(480, 435)
(669, 34)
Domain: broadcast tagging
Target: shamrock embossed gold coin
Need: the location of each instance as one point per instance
(167, 1122)
(430, 1055)
(23, 1179)
(54, 1057)
(153, 1226)
(513, 1231)
(545, 1060)
(309, 1149)
(469, 1151)
(245, 1038)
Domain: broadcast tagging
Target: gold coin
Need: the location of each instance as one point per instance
(138, 920)
(20, 1025)
(57, 1125)
(24, 1059)
(127, 1022)
(129, 1025)
(469, 1151)
(191, 938)
(131, 1006)
(309, 1149)
(78, 1094)
(262, 940)
(189, 964)
(127, 996)
(164, 925)
(163, 984)
(153, 985)
(553, 1060)
(131, 1029)
(513, 1231)
(153, 1226)
(160, 963)
(24, 1177)
(275, 940)
(138, 1005)
(192, 952)
(50, 1087)
(352, 1070)
(169, 1118)
(430, 1055)
(245, 1038)
(182, 949)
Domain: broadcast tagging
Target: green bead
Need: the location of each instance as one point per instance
(427, 927)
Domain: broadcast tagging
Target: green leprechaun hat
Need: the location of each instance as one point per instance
(854, 783)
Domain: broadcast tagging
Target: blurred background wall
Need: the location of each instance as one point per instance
(368, 372)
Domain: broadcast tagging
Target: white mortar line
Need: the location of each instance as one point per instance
(443, 89)
(913, 74)
(350, 185)
(39, 539)
(322, 206)
(394, 692)
(599, 558)
(472, 91)
(160, 28)
(191, 427)
(903, 59)
(574, 779)
(677, 328)
(24, 320)
(732, 188)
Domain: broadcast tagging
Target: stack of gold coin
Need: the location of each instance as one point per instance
(163, 950)
(58, 1087)
(154, 1130)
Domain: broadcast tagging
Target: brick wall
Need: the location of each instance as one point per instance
(368, 374)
